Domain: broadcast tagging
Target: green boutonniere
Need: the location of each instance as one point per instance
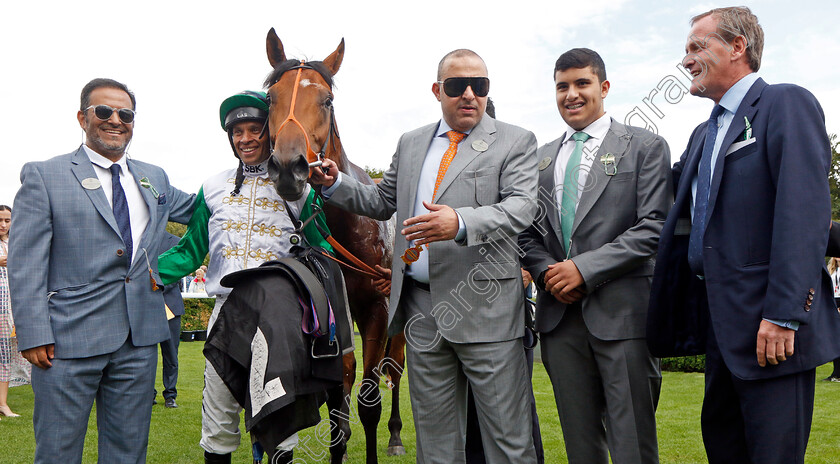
(144, 182)
(747, 129)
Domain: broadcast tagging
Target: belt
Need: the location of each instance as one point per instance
(421, 285)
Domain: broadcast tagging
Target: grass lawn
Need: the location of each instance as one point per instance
(175, 432)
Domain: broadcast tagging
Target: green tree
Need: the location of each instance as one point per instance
(374, 173)
(834, 176)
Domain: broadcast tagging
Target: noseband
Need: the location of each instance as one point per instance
(311, 156)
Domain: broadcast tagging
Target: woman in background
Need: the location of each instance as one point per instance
(12, 365)
(834, 270)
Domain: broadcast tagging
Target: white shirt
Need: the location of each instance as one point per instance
(138, 211)
(597, 131)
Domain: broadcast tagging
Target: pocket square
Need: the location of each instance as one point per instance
(162, 199)
(739, 145)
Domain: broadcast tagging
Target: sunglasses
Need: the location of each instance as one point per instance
(104, 113)
(456, 86)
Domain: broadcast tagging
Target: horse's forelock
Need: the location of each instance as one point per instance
(287, 65)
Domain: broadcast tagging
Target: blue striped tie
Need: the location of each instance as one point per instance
(120, 206)
(701, 198)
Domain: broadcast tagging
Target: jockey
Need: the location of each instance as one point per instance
(242, 222)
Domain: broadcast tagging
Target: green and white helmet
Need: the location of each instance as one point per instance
(244, 106)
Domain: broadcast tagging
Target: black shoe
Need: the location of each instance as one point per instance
(210, 458)
(170, 403)
(154, 401)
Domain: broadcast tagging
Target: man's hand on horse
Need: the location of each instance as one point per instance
(319, 177)
(383, 284)
(441, 223)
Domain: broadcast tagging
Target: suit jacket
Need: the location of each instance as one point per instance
(171, 292)
(476, 285)
(764, 242)
(71, 282)
(614, 234)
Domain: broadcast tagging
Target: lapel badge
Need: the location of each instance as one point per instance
(91, 183)
(544, 163)
(144, 182)
(161, 198)
(412, 254)
(608, 161)
(480, 145)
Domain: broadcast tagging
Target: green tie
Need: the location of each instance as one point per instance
(570, 190)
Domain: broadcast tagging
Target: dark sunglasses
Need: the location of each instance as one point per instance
(104, 113)
(456, 86)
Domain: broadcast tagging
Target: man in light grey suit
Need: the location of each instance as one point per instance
(460, 299)
(604, 193)
(87, 298)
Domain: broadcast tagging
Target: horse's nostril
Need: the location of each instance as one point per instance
(273, 167)
(300, 167)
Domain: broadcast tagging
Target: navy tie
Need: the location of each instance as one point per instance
(120, 206)
(701, 199)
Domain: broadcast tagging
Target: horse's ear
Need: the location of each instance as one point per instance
(274, 49)
(333, 62)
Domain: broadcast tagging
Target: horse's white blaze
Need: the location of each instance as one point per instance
(306, 83)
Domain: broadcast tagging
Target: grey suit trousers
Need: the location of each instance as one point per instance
(438, 372)
(625, 380)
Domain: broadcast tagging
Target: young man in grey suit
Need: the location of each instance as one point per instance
(459, 299)
(604, 193)
(87, 298)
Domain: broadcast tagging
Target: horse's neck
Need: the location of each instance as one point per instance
(340, 158)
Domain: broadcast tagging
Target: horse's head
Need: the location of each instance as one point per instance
(301, 119)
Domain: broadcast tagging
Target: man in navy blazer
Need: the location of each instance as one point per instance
(746, 281)
(88, 299)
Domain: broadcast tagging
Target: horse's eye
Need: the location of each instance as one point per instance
(328, 102)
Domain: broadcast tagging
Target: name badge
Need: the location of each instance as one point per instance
(91, 183)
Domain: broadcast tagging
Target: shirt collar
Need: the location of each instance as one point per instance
(104, 162)
(732, 98)
(255, 170)
(596, 130)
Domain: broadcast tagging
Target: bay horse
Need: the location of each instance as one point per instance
(301, 117)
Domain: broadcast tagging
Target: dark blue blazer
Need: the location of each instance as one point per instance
(765, 240)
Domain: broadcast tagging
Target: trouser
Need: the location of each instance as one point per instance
(220, 410)
(474, 449)
(119, 382)
(169, 359)
(606, 393)
(763, 421)
(438, 373)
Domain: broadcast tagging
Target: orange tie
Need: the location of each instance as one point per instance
(454, 139)
(413, 253)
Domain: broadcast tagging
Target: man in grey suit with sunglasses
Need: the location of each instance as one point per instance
(87, 298)
(463, 189)
(604, 193)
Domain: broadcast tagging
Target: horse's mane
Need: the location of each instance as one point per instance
(319, 66)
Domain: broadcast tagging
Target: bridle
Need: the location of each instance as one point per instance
(311, 156)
